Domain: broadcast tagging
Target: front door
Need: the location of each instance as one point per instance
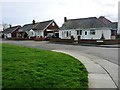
(113, 34)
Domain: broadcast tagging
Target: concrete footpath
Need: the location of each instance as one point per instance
(110, 46)
(102, 73)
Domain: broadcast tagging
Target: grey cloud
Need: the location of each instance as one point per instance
(24, 11)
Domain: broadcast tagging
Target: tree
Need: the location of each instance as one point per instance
(5, 26)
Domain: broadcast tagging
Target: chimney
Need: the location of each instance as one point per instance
(10, 25)
(102, 17)
(65, 19)
(33, 22)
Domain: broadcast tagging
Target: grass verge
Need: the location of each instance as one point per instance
(24, 67)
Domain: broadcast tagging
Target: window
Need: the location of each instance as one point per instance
(113, 32)
(79, 32)
(85, 32)
(37, 33)
(67, 33)
(92, 32)
(62, 33)
(53, 24)
(32, 33)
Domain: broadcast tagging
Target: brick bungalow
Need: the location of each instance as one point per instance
(41, 29)
(12, 32)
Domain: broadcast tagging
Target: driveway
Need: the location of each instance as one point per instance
(109, 55)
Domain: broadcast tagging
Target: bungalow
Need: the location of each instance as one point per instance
(41, 29)
(11, 32)
(0, 34)
(87, 28)
(113, 25)
(1, 29)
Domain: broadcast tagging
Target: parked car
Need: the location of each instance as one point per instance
(47, 38)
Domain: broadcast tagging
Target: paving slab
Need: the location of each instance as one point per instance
(95, 68)
(100, 81)
(111, 68)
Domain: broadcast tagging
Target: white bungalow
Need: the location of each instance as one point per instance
(87, 28)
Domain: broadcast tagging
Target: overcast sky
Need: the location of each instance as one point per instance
(24, 11)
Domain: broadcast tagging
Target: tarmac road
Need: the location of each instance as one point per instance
(110, 54)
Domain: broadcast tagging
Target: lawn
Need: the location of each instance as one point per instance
(24, 67)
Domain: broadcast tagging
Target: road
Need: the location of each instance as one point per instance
(110, 54)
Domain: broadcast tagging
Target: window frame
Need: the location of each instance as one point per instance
(53, 24)
(92, 32)
(86, 33)
(67, 34)
(79, 32)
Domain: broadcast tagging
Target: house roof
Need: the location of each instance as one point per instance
(36, 26)
(115, 25)
(108, 22)
(28, 27)
(91, 22)
(10, 30)
(105, 21)
(42, 25)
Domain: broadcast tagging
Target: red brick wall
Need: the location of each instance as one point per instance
(88, 41)
(39, 39)
(61, 40)
(112, 42)
(55, 27)
(14, 34)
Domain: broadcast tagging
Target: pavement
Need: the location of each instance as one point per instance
(102, 73)
(98, 76)
(91, 45)
(111, 46)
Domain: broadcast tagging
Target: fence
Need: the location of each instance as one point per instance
(17, 38)
(86, 41)
(39, 39)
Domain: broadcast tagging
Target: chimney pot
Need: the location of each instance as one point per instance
(65, 19)
(10, 25)
(33, 21)
(101, 17)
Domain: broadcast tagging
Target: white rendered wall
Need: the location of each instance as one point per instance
(63, 35)
(98, 34)
(39, 33)
(8, 35)
(31, 33)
